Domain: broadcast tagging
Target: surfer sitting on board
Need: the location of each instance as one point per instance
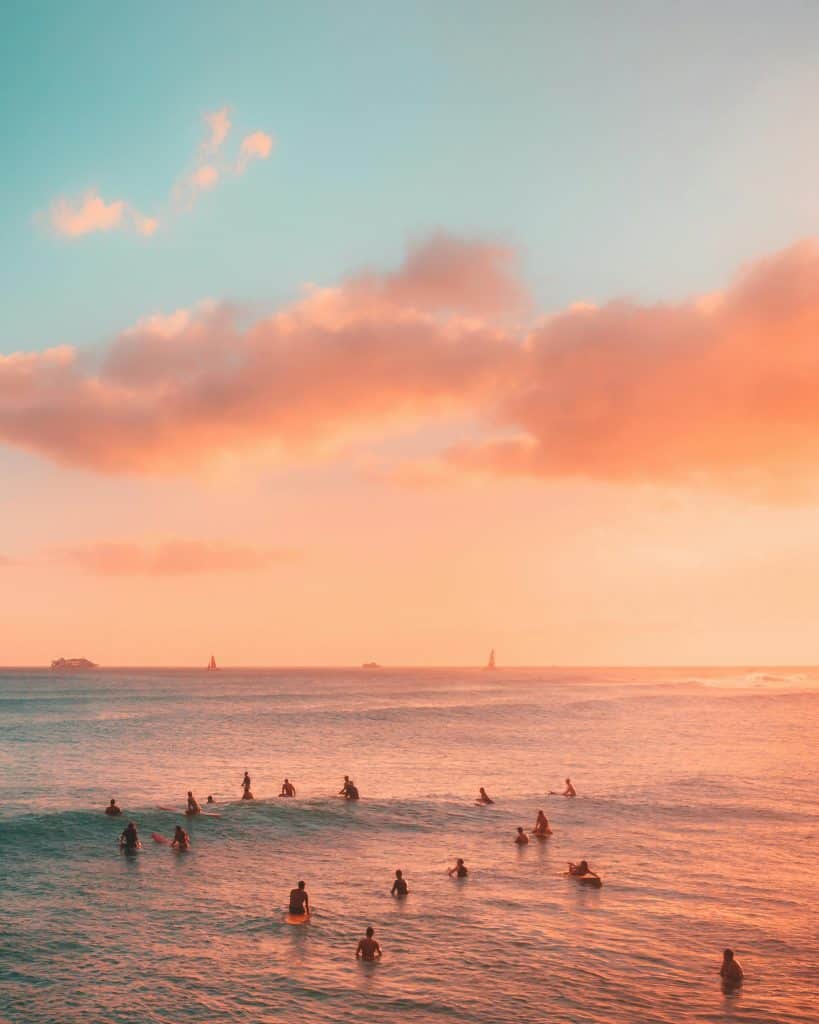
(541, 825)
(181, 839)
(129, 840)
(288, 789)
(568, 791)
(460, 870)
(368, 948)
(730, 972)
(112, 808)
(299, 900)
(521, 838)
(581, 869)
(193, 805)
(399, 886)
(484, 798)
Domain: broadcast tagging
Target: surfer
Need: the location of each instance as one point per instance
(460, 870)
(541, 825)
(193, 805)
(112, 808)
(349, 790)
(288, 789)
(246, 794)
(568, 791)
(399, 886)
(181, 839)
(210, 799)
(129, 840)
(730, 972)
(581, 869)
(299, 900)
(368, 948)
(484, 798)
(521, 838)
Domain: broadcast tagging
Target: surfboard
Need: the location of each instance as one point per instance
(157, 838)
(170, 810)
(297, 918)
(591, 880)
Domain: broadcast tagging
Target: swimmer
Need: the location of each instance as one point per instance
(568, 791)
(193, 805)
(112, 808)
(521, 838)
(129, 840)
(730, 972)
(246, 794)
(460, 870)
(581, 869)
(541, 825)
(210, 799)
(399, 886)
(288, 789)
(299, 901)
(345, 788)
(368, 948)
(352, 791)
(484, 798)
(181, 839)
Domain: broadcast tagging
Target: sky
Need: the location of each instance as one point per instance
(401, 332)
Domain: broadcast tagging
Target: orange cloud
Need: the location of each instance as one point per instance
(722, 393)
(170, 558)
(257, 146)
(86, 215)
(218, 123)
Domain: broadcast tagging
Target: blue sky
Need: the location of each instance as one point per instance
(642, 149)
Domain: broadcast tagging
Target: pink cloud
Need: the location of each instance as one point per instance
(257, 146)
(218, 123)
(171, 558)
(204, 178)
(86, 215)
(722, 393)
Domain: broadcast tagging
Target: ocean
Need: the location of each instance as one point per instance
(697, 804)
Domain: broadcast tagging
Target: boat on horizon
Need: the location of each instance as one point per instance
(371, 664)
(491, 663)
(212, 664)
(72, 664)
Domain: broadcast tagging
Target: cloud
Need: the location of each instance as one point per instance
(257, 146)
(170, 558)
(74, 218)
(719, 391)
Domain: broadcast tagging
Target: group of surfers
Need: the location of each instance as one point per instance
(368, 948)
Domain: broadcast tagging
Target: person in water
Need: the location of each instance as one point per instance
(460, 870)
(288, 789)
(368, 948)
(521, 838)
(112, 808)
(246, 794)
(569, 790)
(181, 839)
(730, 972)
(129, 840)
(345, 789)
(299, 900)
(399, 886)
(484, 797)
(193, 805)
(542, 825)
(581, 869)
(210, 799)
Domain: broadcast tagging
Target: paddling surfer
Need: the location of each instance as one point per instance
(582, 869)
(368, 948)
(299, 900)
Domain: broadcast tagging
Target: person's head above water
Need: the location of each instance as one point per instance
(399, 873)
(190, 792)
(210, 799)
(583, 866)
(520, 829)
(370, 932)
(300, 885)
(113, 802)
(728, 954)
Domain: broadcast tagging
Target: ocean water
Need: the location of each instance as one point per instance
(697, 804)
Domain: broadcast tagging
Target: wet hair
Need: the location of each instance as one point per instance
(301, 885)
(520, 828)
(584, 864)
(370, 932)
(460, 860)
(398, 873)
(728, 954)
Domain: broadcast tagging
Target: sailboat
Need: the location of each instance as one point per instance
(212, 664)
(491, 663)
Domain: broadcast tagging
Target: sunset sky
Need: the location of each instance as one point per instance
(332, 333)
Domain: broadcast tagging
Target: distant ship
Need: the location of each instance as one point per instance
(212, 664)
(72, 664)
(491, 663)
(371, 664)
